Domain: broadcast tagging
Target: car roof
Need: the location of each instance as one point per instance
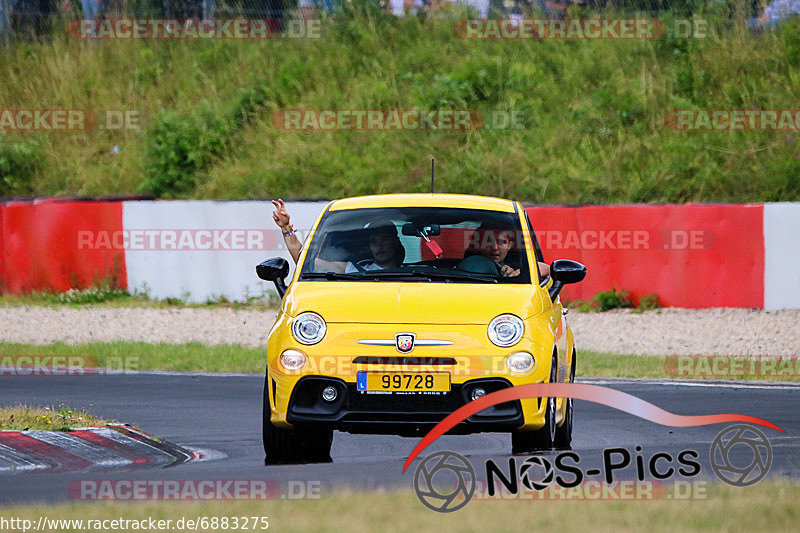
(424, 200)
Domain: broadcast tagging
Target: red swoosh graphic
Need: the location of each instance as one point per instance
(579, 391)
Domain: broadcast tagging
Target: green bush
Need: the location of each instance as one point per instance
(648, 302)
(613, 299)
(179, 146)
(19, 161)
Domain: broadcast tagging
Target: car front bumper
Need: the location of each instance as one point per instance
(407, 414)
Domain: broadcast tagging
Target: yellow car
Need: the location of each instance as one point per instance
(405, 307)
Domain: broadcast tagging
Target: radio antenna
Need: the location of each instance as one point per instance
(432, 174)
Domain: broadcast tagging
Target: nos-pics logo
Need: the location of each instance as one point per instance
(445, 481)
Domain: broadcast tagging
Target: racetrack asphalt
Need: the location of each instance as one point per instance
(222, 414)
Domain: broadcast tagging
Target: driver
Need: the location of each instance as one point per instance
(495, 244)
(385, 248)
(384, 245)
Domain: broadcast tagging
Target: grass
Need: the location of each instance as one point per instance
(594, 114)
(121, 355)
(47, 418)
(115, 298)
(196, 357)
(615, 299)
(767, 506)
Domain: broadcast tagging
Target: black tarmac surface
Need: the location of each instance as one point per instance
(221, 415)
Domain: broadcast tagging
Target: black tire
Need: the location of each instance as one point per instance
(563, 440)
(287, 446)
(541, 439)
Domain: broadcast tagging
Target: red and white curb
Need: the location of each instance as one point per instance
(109, 447)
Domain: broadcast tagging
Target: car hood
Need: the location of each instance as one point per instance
(411, 303)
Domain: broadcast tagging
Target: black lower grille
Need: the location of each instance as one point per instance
(353, 407)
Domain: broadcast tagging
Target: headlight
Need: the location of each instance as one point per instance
(293, 360)
(308, 328)
(506, 330)
(520, 362)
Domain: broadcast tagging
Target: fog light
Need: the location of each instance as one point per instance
(293, 360)
(477, 392)
(520, 362)
(329, 394)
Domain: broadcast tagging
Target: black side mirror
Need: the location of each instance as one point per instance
(563, 272)
(274, 269)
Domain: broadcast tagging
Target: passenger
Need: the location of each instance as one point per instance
(384, 245)
(281, 218)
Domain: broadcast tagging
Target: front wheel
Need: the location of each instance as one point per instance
(285, 446)
(563, 440)
(541, 439)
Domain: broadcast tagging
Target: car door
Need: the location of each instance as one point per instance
(557, 312)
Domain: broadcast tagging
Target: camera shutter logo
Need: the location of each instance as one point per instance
(525, 473)
(443, 497)
(738, 437)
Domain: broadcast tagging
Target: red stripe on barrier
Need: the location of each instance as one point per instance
(691, 255)
(125, 451)
(178, 453)
(57, 459)
(2, 253)
(42, 249)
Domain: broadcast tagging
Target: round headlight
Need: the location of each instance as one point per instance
(293, 360)
(308, 328)
(506, 330)
(520, 362)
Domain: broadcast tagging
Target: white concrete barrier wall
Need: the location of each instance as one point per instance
(168, 261)
(781, 256)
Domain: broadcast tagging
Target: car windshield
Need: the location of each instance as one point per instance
(429, 244)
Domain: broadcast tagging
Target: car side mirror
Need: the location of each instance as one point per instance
(564, 272)
(274, 269)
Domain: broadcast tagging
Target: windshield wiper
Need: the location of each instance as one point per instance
(329, 275)
(431, 275)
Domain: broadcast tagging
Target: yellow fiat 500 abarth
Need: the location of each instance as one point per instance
(405, 307)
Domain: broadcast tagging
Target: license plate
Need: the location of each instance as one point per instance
(404, 381)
